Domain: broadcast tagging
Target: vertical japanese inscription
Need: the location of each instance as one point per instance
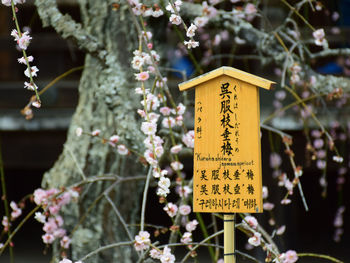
(227, 153)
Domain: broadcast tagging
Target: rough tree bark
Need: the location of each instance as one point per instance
(106, 103)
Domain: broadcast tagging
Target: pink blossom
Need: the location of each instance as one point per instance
(250, 9)
(268, 206)
(50, 226)
(165, 111)
(180, 109)
(164, 182)
(48, 238)
(191, 31)
(250, 221)
(40, 196)
(33, 70)
(40, 217)
(183, 191)
(265, 192)
(59, 233)
(281, 230)
(321, 164)
(168, 122)
(179, 120)
(191, 44)
(166, 256)
(148, 128)
(286, 201)
(142, 241)
(5, 222)
(154, 253)
(319, 36)
(22, 60)
(290, 257)
(188, 139)
(142, 76)
(192, 225)
(16, 211)
(30, 86)
(184, 210)
(96, 132)
(186, 238)
(176, 149)
(175, 19)
(114, 139)
(122, 150)
(153, 117)
(177, 166)
(65, 242)
(318, 143)
(255, 240)
(54, 209)
(275, 160)
(208, 10)
(201, 21)
(171, 209)
(24, 40)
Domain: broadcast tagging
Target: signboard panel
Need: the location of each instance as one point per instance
(227, 155)
(227, 165)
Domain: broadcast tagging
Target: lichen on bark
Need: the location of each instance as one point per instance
(106, 102)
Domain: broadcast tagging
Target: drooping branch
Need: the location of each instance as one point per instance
(269, 46)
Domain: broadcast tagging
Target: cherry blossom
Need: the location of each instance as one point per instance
(188, 139)
(255, 240)
(186, 238)
(142, 241)
(192, 225)
(191, 44)
(122, 150)
(175, 19)
(191, 31)
(319, 36)
(171, 209)
(142, 76)
(290, 257)
(96, 132)
(33, 70)
(250, 221)
(184, 210)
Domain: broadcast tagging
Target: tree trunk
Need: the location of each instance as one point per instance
(106, 102)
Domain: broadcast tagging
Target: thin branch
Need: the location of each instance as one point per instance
(75, 162)
(144, 200)
(200, 243)
(121, 219)
(95, 252)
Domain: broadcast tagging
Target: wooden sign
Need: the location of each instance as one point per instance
(227, 155)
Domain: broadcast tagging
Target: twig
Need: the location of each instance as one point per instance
(320, 256)
(200, 243)
(121, 219)
(144, 200)
(92, 253)
(76, 162)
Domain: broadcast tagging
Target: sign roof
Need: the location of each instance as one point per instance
(229, 71)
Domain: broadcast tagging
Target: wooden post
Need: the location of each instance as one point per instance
(229, 238)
